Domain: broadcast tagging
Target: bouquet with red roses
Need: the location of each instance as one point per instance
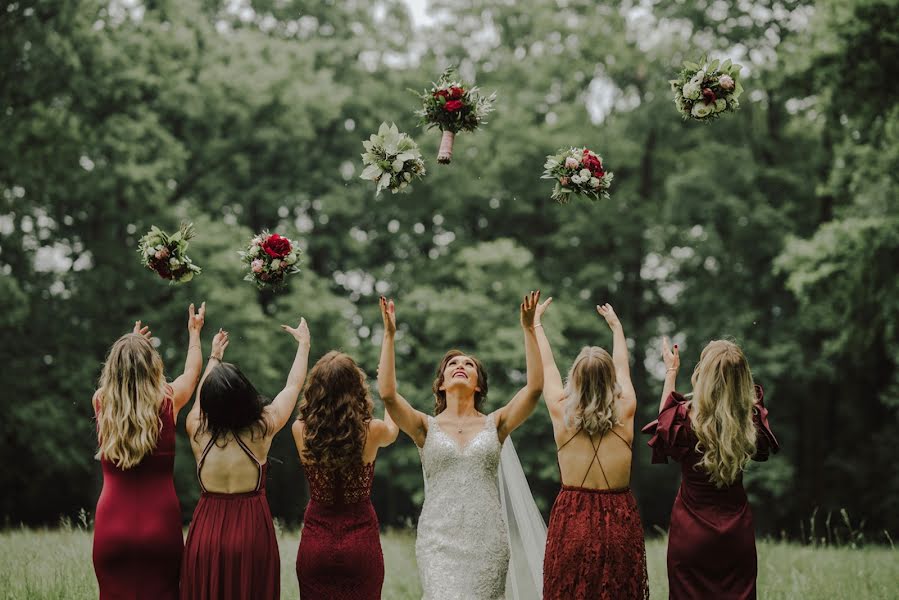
(577, 171)
(166, 255)
(271, 258)
(453, 106)
(706, 90)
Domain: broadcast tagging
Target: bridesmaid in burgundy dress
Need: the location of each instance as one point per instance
(711, 540)
(231, 551)
(594, 544)
(338, 440)
(137, 531)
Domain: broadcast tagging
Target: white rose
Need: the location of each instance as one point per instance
(291, 258)
(701, 110)
(151, 251)
(594, 182)
(698, 78)
(577, 179)
(691, 91)
(585, 174)
(720, 104)
(174, 262)
(276, 264)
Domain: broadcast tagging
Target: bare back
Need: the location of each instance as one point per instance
(227, 468)
(600, 461)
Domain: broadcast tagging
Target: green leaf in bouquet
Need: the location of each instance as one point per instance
(725, 66)
(735, 69)
(691, 65)
(738, 89)
(175, 237)
(714, 65)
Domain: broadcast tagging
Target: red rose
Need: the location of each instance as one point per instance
(453, 105)
(708, 96)
(456, 92)
(276, 246)
(441, 94)
(592, 162)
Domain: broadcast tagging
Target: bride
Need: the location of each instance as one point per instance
(477, 512)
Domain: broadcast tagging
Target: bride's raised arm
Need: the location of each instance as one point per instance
(412, 422)
(513, 414)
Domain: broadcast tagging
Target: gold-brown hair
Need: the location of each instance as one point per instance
(721, 411)
(132, 388)
(336, 410)
(480, 396)
(590, 392)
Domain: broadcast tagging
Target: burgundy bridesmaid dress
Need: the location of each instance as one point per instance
(137, 526)
(340, 547)
(594, 543)
(231, 551)
(711, 540)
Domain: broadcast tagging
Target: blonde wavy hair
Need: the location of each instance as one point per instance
(590, 392)
(721, 412)
(132, 388)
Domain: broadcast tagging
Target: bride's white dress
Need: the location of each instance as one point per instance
(462, 546)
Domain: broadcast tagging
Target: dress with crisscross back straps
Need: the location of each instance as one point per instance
(231, 551)
(594, 543)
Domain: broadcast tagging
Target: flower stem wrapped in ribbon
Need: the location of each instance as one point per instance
(166, 255)
(392, 159)
(453, 106)
(706, 90)
(270, 258)
(577, 171)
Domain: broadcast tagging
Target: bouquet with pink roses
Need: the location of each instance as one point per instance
(166, 255)
(706, 90)
(577, 171)
(270, 258)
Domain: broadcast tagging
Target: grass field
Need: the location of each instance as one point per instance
(56, 564)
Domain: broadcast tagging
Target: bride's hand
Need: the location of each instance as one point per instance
(529, 309)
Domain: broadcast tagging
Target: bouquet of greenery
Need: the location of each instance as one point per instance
(453, 106)
(577, 171)
(270, 258)
(391, 159)
(166, 255)
(705, 90)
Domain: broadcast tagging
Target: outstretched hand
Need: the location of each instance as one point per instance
(541, 308)
(529, 309)
(196, 318)
(142, 330)
(300, 333)
(219, 344)
(388, 315)
(608, 313)
(670, 356)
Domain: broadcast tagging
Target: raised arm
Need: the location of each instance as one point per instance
(282, 406)
(513, 414)
(185, 385)
(553, 388)
(219, 344)
(620, 359)
(672, 364)
(412, 422)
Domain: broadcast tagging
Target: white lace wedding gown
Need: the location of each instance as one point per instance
(462, 546)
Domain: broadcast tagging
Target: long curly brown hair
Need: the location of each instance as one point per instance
(336, 410)
(440, 395)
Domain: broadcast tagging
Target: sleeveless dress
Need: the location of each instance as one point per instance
(340, 557)
(462, 546)
(137, 525)
(231, 551)
(711, 540)
(594, 544)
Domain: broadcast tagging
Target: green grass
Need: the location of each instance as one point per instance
(56, 564)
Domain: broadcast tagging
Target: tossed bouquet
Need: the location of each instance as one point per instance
(453, 106)
(704, 91)
(166, 255)
(577, 171)
(391, 159)
(271, 258)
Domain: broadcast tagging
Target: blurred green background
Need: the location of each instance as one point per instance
(777, 227)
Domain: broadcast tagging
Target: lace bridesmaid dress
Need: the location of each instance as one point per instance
(231, 552)
(340, 554)
(462, 546)
(711, 540)
(137, 526)
(594, 544)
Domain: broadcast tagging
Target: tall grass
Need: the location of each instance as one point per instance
(56, 564)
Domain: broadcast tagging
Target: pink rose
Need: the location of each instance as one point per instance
(726, 82)
(256, 265)
(565, 181)
(162, 254)
(571, 163)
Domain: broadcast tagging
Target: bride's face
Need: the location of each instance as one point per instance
(461, 373)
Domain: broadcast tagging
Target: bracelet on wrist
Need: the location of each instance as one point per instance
(675, 369)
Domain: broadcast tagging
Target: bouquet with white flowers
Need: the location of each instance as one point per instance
(271, 258)
(704, 91)
(166, 255)
(577, 171)
(452, 106)
(391, 159)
